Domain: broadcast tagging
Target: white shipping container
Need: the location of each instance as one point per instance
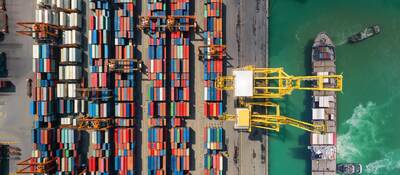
(152, 66)
(89, 34)
(61, 70)
(63, 167)
(34, 65)
(326, 80)
(76, 4)
(66, 121)
(94, 51)
(43, 16)
(70, 72)
(72, 90)
(318, 113)
(35, 51)
(61, 90)
(206, 96)
(44, 92)
(71, 37)
(53, 3)
(77, 106)
(60, 3)
(221, 162)
(105, 109)
(322, 139)
(71, 55)
(64, 54)
(75, 20)
(63, 19)
(92, 5)
(38, 16)
(74, 122)
(47, 16)
(106, 137)
(75, 55)
(35, 153)
(93, 137)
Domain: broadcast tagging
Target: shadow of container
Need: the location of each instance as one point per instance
(7, 86)
(4, 160)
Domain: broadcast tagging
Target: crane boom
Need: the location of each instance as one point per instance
(246, 118)
(274, 82)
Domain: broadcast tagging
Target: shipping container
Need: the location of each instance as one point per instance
(214, 138)
(214, 162)
(323, 139)
(71, 55)
(213, 109)
(180, 109)
(157, 109)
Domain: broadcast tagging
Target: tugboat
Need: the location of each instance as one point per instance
(366, 33)
(323, 48)
(349, 168)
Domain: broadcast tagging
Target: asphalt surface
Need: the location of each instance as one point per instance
(247, 44)
(16, 123)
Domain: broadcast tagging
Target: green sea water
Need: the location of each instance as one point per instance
(368, 108)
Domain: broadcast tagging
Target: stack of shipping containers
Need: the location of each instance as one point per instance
(213, 64)
(99, 38)
(157, 143)
(179, 88)
(124, 87)
(69, 75)
(43, 101)
(214, 145)
(213, 67)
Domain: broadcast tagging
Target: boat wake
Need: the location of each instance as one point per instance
(389, 164)
(364, 138)
(341, 43)
(361, 130)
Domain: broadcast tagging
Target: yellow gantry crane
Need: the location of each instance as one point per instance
(251, 85)
(266, 115)
(252, 82)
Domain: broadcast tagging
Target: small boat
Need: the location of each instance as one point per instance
(366, 33)
(323, 48)
(349, 168)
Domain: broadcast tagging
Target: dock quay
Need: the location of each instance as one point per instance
(323, 145)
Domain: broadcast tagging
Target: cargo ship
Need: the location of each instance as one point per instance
(349, 168)
(323, 146)
(365, 34)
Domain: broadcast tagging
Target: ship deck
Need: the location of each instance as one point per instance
(327, 164)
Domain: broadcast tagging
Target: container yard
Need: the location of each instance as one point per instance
(128, 87)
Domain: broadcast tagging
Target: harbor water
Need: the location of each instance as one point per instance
(368, 108)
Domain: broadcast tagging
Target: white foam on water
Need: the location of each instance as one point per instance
(361, 130)
(389, 164)
(361, 140)
(341, 43)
